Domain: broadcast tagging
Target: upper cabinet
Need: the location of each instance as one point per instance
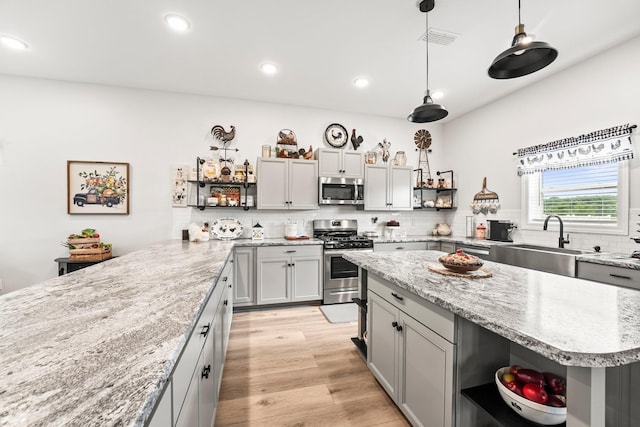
(339, 163)
(388, 187)
(287, 184)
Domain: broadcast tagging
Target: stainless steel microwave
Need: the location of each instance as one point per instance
(340, 191)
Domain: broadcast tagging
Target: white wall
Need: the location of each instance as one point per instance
(599, 93)
(45, 123)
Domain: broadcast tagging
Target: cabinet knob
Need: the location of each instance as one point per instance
(394, 324)
(399, 328)
(206, 371)
(224, 279)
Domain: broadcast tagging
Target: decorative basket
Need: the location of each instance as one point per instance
(93, 254)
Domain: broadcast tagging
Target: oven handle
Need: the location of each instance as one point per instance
(340, 251)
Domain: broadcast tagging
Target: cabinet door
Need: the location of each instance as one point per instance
(162, 415)
(426, 375)
(375, 187)
(401, 188)
(400, 246)
(272, 280)
(447, 247)
(207, 393)
(303, 184)
(188, 416)
(244, 279)
(218, 348)
(306, 278)
(382, 354)
(330, 162)
(353, 164)
(273, 190)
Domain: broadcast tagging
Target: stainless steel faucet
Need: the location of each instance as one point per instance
(561, 239)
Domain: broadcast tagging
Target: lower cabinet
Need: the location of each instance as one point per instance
(190, 397)
(244, 276)
(609, 274)
(288, 274)
(409, 355)
(447, 247)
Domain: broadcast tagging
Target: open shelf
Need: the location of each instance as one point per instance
(487, 398)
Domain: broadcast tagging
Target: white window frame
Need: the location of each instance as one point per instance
(530, 183)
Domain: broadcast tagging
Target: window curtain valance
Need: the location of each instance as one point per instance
(601, 146)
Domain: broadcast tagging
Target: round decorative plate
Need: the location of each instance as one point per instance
(422, 139)
(336, 135)
(226, 228)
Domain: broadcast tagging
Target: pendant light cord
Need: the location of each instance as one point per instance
(519, 20)
(427, 43)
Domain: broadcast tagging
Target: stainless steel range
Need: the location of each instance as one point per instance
(341, 277)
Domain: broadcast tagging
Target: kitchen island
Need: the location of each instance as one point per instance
(583, 326)
(96, 347)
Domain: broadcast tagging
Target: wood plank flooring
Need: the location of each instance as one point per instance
(291, 367)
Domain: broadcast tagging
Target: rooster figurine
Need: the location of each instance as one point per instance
(356, 141)
(219, 133)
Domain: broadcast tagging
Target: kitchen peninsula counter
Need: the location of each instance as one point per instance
(571, 321)
(95, 347)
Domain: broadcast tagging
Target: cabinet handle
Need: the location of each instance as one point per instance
(400, 248)
(224, 279)
(617, 276)
(226, 302)
(205, 330)
(399, 328)
(394, 324)
(289, 252)
(229, 284)
(205, 371)
(396, 296)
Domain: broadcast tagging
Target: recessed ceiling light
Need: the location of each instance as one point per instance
(361, 82)
(438, 94)
(13, 43)
(269, 68)
(177, 22)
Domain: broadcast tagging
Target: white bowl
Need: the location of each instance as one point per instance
(536, 412)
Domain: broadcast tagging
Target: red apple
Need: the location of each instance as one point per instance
(514, 369)
(555, 384)
(535, 393)
(557, 401)
(530, 376)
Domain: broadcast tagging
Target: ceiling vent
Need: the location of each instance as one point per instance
(441, 37)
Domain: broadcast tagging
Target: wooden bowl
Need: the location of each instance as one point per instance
(461, 268)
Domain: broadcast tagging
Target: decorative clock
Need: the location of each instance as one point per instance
(336, 135)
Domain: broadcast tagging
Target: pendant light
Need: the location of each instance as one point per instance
(428, 111)
(523, 57)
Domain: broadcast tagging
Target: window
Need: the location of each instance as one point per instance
(590, 198)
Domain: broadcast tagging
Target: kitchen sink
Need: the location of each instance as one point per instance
(543, 258)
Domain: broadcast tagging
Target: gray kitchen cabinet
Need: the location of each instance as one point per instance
(162, 413)
(287, 184)
(339, 163)
(244, 277)
(288, 274)
(388, 187)
(433, 246)
(411, 351)
(191, 394)
(610, 274)
(399, 246)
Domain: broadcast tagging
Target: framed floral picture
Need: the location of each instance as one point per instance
(97, 187)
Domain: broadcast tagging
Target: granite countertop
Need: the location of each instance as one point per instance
(615, 260)
(95, 347)
(572, 321)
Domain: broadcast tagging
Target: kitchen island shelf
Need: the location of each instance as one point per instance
(360, 346)
(487, 398)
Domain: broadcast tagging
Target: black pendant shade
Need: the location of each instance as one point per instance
(523, 57)
(427, 112)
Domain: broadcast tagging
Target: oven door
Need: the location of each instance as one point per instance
(341, 278)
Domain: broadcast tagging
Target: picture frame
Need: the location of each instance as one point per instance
(97, 187)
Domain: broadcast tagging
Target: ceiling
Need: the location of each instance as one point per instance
(319, 46)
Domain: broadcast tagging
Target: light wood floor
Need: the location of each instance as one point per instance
(291, 367)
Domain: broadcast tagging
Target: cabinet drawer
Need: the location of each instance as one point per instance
(289, 251)
(609, 274)
(436, 318)
(399, 246)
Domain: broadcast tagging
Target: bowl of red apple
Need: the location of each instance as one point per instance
(536, 396)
